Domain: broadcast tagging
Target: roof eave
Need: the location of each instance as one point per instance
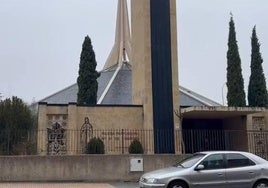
(219, 112)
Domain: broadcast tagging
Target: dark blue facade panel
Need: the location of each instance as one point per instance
(162, 76)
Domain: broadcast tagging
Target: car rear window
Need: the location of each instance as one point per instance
(237, 160)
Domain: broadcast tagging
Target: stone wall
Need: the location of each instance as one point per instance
(93, 168)
(72, 117)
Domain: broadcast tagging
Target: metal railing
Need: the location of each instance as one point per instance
(18, 142)
(117, 141)
(243, 140)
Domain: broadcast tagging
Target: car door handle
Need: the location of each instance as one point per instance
(251, 172)
(220, 174)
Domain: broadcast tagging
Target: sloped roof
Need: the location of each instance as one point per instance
(120, 92)
(188, 96)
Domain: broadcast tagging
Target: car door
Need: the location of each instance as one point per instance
(212, 175)
(240, 171)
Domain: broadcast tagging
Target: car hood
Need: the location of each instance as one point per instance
(165, 172)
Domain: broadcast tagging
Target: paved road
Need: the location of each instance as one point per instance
(69, 185)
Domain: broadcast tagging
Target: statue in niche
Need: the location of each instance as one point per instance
(56, 137)
(86, 133)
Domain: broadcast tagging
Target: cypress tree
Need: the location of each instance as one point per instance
(257, 92)
(87, 79)
(235, 82)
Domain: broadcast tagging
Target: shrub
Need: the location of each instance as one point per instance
(135, 147)
(95, 146)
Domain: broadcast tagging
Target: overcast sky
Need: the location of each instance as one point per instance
(41, 42)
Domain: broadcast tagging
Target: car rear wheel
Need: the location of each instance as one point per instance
(261, 184)
(177, 184)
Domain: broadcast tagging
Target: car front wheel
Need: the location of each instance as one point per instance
(261, 184)
(177, 184)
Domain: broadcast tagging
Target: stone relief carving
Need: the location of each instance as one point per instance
(86, 133)
(52, 119)
(56, 135)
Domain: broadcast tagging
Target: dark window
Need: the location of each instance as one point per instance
(214, 161)
(238, 160)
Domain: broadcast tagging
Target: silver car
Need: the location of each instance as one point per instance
(217, 169)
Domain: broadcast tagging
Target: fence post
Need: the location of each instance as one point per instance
(192, 141)
(8, 141)
(123, 147)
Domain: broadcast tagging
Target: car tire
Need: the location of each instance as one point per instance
(177, 184)
(261, 184)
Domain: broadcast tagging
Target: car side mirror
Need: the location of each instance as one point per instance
(200, 167)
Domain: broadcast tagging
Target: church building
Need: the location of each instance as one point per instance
(139, 97)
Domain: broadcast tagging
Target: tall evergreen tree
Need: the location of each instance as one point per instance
(87, 79)
(235, 82)
(257, 92)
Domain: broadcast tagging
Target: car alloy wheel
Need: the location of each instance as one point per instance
(261, 184)
(177, 184)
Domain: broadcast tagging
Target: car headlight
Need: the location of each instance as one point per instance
(149, 180)
(152, 180)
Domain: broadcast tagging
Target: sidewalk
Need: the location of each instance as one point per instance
(70, 185)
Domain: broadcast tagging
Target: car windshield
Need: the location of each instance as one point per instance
(190, 161)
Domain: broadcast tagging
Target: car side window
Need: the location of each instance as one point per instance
(235, 160)
(214, 161)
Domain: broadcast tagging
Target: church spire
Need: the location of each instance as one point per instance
(121, 50)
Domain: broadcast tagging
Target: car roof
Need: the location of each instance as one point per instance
(248, 154)
(227, 151)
